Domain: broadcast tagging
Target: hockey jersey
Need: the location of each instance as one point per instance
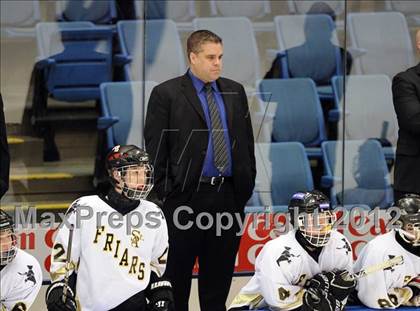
(20, 281)
(386, 289)
(112, 254)
(283, 267)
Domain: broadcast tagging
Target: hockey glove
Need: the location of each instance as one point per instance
(329, 290)
(414, 285)
(337, 283)
(54, 298)
(317, 300)
(159, 294)
(342, 284)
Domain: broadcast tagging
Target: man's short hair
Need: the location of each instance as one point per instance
(199, 37)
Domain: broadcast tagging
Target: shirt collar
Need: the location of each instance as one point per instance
(199, 84)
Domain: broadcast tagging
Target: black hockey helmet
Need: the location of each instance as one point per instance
(130, 171)
(8, 241)
(303, 207)
(409, 218)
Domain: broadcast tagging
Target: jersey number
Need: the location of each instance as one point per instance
(59, 255)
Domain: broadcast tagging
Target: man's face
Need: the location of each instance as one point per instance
(207, 63)
(322, 225)
(6, 240)
(413, 231)
(134, 177)
(418, 40)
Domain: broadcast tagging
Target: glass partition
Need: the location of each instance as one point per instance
(76, 78)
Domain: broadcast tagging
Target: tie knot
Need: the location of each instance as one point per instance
(207, 87)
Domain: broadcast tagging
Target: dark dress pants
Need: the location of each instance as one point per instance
(192, 236)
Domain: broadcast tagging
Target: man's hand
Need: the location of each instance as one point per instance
(54, 298)
(317, 300)
(159, 294)
(328, 290)
(414, 285)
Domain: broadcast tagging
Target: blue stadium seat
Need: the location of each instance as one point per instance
(76, 57)
(164, 56)
(369, 109)
(18, 18)
(298, 113)
(411, 9)
(366, 178)
(302, 7)
(124, 107)
(241, 60)
(362, 27)
(98, 12)
(309, 48)
(282, 170)
(250, 9)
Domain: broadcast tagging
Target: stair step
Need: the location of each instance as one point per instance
(26, 150)
(38, 210)
(76, 143)
(26, 198)
(39, 206)
(70, 176)
(69, 115)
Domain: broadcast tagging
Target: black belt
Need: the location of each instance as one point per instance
(218, 180)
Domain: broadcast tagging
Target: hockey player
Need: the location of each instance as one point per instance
(20, 273)
(113, 267)
(399, 285)
(305, 269)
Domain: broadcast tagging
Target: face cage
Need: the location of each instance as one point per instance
(412, 237)
(141, 191)
(7, 256)
(323, 233)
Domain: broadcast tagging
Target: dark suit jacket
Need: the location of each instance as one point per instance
(176, 137)
(4, 154)
(406, 94)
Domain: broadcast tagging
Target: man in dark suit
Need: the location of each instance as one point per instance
(406, 94)
(198, 132)
(4, 154)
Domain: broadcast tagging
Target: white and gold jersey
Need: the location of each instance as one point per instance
(386, 289)
(283, 267)
(112, 254)
(20, 281)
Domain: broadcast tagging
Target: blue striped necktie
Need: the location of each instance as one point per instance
(219, 143)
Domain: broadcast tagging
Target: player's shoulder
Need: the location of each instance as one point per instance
(148, 206)
(338, 238)
(226, 82)
(167, 88)
(24, 260)
(85, 200)
(284, 242)
(378, 248)
(283, 251)
(381, 241)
